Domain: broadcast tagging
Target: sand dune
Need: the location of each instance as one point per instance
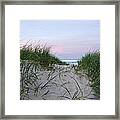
(60, 83)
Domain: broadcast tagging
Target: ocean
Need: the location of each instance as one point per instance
(71, 62)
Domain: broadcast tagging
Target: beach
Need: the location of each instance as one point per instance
(60, 83)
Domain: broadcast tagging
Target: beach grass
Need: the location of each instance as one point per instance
(90, 65)
(39, 55)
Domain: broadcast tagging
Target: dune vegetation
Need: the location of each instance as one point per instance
(39, 55)
(90, 65)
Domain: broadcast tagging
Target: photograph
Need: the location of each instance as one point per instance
(60, 59)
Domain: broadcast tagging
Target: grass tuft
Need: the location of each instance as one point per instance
(39, 55)
(90, 65)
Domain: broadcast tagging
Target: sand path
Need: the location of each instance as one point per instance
(61, 83)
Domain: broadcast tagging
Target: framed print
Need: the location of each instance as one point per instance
(60, 59)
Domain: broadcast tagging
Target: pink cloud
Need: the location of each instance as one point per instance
(57, 49)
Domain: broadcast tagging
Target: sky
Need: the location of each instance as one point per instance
(68, 39)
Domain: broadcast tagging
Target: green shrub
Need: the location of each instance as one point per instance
(90, 65)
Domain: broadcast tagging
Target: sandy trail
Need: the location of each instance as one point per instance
(61, 83)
